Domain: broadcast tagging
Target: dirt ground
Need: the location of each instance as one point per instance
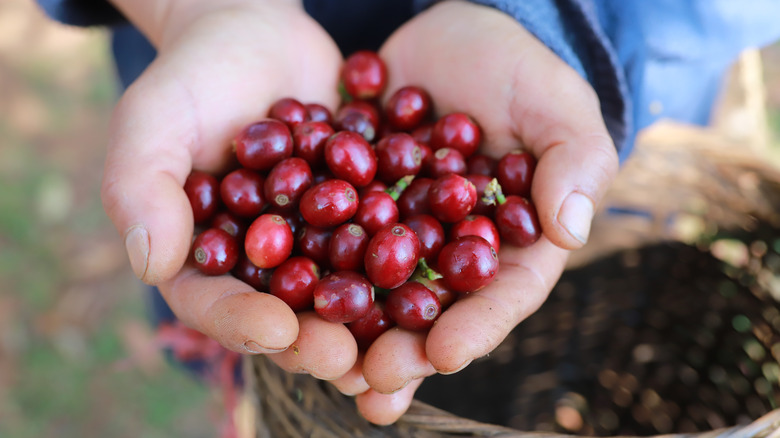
(77, 357)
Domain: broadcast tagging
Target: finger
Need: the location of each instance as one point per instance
(325, 350)
(231, 312)
(353, 382)
(385, 409)
(477, 323)
(396, 358)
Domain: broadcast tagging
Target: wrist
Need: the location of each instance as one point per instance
(162, 20)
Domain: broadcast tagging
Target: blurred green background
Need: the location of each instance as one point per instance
(77, 356)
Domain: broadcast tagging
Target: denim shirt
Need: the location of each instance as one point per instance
(645, 59)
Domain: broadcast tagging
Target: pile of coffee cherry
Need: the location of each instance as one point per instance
(373, 216)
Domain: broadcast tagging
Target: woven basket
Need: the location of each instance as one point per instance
(666, 323)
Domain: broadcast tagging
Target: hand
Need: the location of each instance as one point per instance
(480, 61)
(220, 66)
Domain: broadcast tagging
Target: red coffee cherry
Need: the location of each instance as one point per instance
(294, 282)
(515, 171)
(269, 241)
(263, 144)
(242, 192)
(392, 256)
(202, 190)
(408, 107)
(214, 251)
(364, 75)
(413, 306)
(343, 296)
(456, 131)
(329, 203)
(452, 197)
(468, 264)
(289, 111)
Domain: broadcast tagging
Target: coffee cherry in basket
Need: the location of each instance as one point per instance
(263, 144)
(202, 190)
(413, 306)
(269, 241)
(468, 264)
(343, 296)
(214, 252)
(392, 256)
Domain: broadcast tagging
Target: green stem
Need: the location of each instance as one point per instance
(396, 189)
(426, 271)
(493, 194)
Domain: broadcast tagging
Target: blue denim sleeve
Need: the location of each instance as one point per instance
(82, 12)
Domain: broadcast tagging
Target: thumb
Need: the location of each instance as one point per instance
(146, 166)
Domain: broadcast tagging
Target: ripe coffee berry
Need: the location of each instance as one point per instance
(376, 211)
(468, 264)
(414, 200)
(309, 142)
(370, 326)
(242, 192)
(249, 273)
(452, 197)
(318, 113)
(202, 189)
(329, 203)
(351, 158)
(263, 144)
(364, 75)
(231, 223)
(407, 108)
(392, 256)
(347, 247)
(215, 252)
(269, 241)
(430, 232)
(343, 296)
(517, 221)
(445, 161)
(476, 225)
(456, 131)
(287, 182)
(514, 173)
(398, 155)
(413, 306)
(294, 282)
(289, 111)
(314, 242)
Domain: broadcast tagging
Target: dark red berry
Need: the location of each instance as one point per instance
(351, 158)
(347, 247)
(480, 184)
(392, 256)
(214, 251)
(468, 264)
(294, 282)
(287, 182)
(368, 109)
(373, 186)
(370, 326)
(263, 144)
(479, 164)
(318, 113)
(289, 111)
(446, 295)
(314, 242)
(422, 134)
(364, 75)
(398, 155)
(452, 197)
(269, 241)
(230, 222)
(357, 123)
(444, 162)
(249, 273)
(242, 192)
(456, 131)
(407, 108)
(515, 171)
(517, 222)
(202, 190)
(309, 142)
(376, 211)
(329, 203)
(291, 216)
(476, 225)
(430, 232)
(414, 200)
(343, 297)
(321, 175)
(413, 306)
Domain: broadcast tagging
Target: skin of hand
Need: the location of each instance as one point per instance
(220, 66)
(477, 60)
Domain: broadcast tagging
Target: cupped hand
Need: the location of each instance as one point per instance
(477, 60)
(220, 66)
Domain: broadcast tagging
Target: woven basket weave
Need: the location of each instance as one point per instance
(668, 323)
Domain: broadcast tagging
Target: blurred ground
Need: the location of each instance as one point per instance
(77, 358)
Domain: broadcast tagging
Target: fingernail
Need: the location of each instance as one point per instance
(137, 245)
(576, 215)
(255, 348)
(464, 365)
